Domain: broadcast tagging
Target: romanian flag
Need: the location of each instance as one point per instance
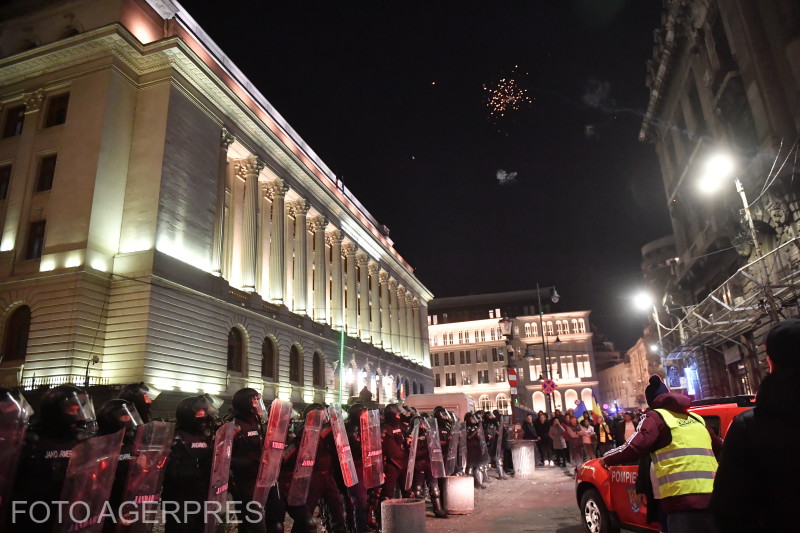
(596, 408)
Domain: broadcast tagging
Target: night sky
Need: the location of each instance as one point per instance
(391, 96)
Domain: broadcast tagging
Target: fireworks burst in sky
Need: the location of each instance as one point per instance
(505, 95)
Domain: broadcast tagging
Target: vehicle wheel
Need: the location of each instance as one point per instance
(594, 513)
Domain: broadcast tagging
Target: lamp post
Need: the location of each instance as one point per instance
(507, 330)
(718, 168)
(547, 369)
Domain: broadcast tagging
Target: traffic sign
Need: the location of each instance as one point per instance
(512, 377)
(513, 390)
(549, 386)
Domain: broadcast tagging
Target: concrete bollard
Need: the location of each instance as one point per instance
(403, 515)
(459, 494)
(524, 457)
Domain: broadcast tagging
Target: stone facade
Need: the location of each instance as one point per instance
(159, 213)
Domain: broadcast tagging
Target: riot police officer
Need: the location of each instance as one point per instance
(358, 493)
(326, 478)
(113, 416)
(475, 446)
(248, 441)
(188, 470)
(492, 430)
(65, 418)
(395, 451)
(423, 474)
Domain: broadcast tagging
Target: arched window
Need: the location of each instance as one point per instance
(484, 403)
(581, 325)
(534, 329)
(549, 328)
(575, 328)
(15, 335)
(557, 401)
(296, 365)
(503, 405)
(318, 375)
(539, 401)
(570, 399)
(559, 327)
(588, 398)
(527, 329)
(414, 387)
(235, 351)
(421, 388)
(269, 359)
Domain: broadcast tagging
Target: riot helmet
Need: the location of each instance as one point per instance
(66, 407)
(312, 407)
(354, 412)
(196, 414)
(141, 396)
(440, 413)
(470, 419)
(118, 414)
(248, 403)
(14, 408)
(391, 413)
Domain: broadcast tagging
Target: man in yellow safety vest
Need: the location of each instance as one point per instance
(683, 452)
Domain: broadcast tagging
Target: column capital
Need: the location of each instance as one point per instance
(401, 291)
(33, 101)
(415, 303)
(299, 207)
(317, 224)
(276, 188)
(334, 236)
(383, 276)
(373, 267)
(226, 139)
(349, 249)
(252, 166)
(393, 284)
(409, 297)
(362, 258)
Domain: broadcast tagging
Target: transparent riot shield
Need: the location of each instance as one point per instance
(434, 447)
(371, 449)
(452, 449)
(484, 447)
(462, 449)
(498, 453)
(412, 455)
(220, 473)
(271, 455)
(145, 475)
(90, 474)
(342, 445)
(15, 412)
(306, 456)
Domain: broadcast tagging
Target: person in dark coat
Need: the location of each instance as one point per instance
(542, 428)
(758, 467)
(528, 430)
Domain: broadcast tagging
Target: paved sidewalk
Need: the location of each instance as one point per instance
(544, 503)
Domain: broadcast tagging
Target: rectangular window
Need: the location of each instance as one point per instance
(483, 376)
(469, 357)
(500, 375)
(535, 368)
(35, 240)
(5, 180)
(584, 367)
(567, 367)
(47, 171)
(450, 379)
(15, 117)
(56, 110)
(494, 354)
(466, 379)
(436, 359)
(501, 354)
(461, 357)
(438, 380)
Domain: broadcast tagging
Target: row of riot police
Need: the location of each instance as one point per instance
(122, 471)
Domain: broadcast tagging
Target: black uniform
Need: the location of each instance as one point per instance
(475, 462)
(395, 452)
(361, 520)
(423, 475)
(64, 419)
(246, 449)
(326, 478)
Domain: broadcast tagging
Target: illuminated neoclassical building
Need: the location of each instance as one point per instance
(160, 215)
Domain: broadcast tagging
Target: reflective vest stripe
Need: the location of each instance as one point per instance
(685, 475)
(681, 452)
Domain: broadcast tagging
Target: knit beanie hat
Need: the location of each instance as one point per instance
(654, 389)
(783, 344)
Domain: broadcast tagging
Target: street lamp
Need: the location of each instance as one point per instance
(554, 297)
(507, 330)
(719, 168)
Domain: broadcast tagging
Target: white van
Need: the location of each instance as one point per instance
(458, 402)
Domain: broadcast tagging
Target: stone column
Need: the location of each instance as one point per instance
(401, 317)
(417, 330)
(423, 321)
(394, 309)
(352, 288)
(226, 139)
(277, 246)
(320, 312)
(374, 305)
(363, 297)
(386, 322)
(249, 169)
(410, 326)
(300, 209)
(337, 287)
